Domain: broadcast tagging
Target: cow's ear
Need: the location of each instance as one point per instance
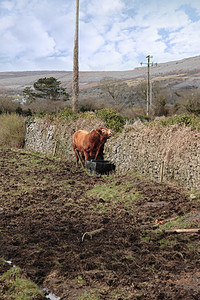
(103, 130)
(99, 130)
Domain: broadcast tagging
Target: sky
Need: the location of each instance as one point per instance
(114, 35)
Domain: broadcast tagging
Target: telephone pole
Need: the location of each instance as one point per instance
(149, 94)
(75, 83)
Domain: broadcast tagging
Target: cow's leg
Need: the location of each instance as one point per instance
(97, 153)
(87, 155)
(82, 158)
(101, 154)
(76, 155)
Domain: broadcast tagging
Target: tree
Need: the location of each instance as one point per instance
(75, 84)
(29, 95)
(118, 92)
(159, 105)
(187, 101)
(7, 105)
(46, 88)
(140, 93)
(49, 88)
(160, 100)
(192, 104)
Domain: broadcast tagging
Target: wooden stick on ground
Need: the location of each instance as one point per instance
(92, 233)
(54, 149)
(192, 230)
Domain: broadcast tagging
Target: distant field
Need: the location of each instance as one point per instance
(186, 73)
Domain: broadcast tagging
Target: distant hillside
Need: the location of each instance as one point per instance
(176, 75)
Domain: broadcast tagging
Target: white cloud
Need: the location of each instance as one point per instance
(91, 40)
(27, 37)
(8, 5)
(108, 57)
(37, 34)
(103, 8)
(186, 40)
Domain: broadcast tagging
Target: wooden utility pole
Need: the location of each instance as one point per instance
(148, 84)
(75, 83)
(149, 90)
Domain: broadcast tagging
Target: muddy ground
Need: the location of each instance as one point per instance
(95, 237)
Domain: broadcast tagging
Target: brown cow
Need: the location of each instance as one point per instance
(88, 144)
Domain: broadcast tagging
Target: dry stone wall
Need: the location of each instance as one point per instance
(40, 135)
(161, 153)
(48, 136)
(164, 154)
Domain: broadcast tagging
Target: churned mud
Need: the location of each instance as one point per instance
(96, 237)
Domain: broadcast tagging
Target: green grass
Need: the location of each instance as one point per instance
(88, 296)
(12, 130)
(167, 243)
(15, 286)
(111, 193)
(182, 222)
(194, 195)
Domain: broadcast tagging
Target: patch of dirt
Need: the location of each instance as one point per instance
(49, 228)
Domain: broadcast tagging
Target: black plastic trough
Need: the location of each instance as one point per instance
(99, 166)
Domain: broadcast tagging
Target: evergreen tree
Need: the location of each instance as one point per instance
(46, 88)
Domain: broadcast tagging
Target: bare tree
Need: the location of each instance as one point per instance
(75, 84)
(118, 92)
(188, 101)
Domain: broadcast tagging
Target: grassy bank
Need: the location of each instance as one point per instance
(14, 285)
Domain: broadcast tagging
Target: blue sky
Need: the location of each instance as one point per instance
(113, 35)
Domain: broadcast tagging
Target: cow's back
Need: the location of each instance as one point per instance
(79, 139)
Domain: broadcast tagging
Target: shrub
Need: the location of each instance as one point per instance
(111, 118)
(193, 104)
(183, 120)
(67, 113)
(90, 104)
(188, 102)
(7, 105)
(12, 130)
(159, 106)
(45, 107)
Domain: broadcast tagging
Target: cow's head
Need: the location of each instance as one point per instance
(105, 132)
